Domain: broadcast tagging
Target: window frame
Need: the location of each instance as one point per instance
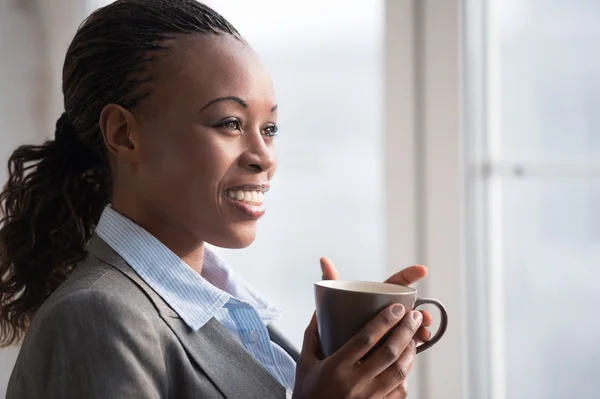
(424, 174)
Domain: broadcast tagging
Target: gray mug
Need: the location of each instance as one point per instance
(345, 307)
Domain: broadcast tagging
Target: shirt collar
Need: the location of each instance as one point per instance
(215, 270)
(195, 298)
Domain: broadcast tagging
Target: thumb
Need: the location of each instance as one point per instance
(311, 347)
(328, 269)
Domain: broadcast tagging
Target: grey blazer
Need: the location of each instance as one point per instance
(104, 333)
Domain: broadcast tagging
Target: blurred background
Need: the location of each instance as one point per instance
(460, 134)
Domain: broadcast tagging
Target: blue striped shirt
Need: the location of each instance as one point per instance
(218, 292)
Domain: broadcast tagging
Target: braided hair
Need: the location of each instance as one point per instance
(56, 191)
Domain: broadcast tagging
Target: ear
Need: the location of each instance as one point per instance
(120, 132)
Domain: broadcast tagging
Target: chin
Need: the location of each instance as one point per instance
(234, 238)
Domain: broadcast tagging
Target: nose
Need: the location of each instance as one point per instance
(258, 155)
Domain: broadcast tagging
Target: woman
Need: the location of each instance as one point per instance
(166, 143)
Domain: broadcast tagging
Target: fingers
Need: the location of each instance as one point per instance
(359, 345)
(328, 269)
(311, 346)
(400, 392)
(392, 383)
(408, 276)
(423, 335)
(394, 347)
(427, 319)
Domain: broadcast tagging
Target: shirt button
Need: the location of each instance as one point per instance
(254, 336)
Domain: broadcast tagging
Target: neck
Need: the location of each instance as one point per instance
(180, 241)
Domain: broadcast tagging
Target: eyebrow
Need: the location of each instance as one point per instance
(228, 98)
(231, 98)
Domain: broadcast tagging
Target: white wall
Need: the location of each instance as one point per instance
(33, 39)
(20, 73)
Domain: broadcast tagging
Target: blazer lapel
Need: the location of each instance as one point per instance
(228, 364)
(224, 360)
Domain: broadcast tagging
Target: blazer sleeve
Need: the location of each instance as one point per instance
(89, 344)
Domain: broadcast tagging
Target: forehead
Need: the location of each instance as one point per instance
(199, 67)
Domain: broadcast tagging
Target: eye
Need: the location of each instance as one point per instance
(230, 124)
(270, 131)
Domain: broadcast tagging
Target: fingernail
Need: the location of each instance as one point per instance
(398, 310)
(417, 316)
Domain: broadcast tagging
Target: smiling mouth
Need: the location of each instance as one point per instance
(248, 200)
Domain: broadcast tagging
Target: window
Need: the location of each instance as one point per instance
(533, 124)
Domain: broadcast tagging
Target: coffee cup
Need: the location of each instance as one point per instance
(345, 307)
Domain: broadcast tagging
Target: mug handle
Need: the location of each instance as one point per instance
(443, 324)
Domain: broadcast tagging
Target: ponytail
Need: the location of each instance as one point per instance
(52, 201)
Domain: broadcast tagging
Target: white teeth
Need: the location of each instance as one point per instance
(256, 197)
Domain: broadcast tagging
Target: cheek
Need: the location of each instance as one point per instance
(190, 167)
(164, 161)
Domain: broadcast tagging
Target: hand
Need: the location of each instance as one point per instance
(405, 277)
(314, 373)
(343, 375)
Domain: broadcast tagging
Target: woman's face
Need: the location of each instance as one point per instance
(206, 140)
